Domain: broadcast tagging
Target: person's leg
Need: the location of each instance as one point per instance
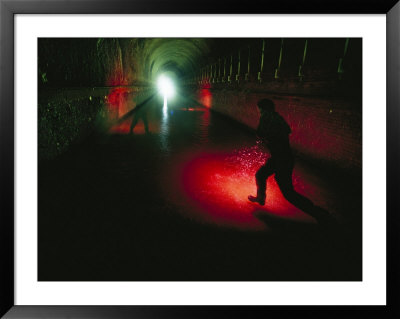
(284, 180)
(134, 122)
(261, 180)
(283, 177)
(145, 122)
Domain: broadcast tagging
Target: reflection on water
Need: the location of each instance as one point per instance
(165, 107)
(166, 117)
(164, 130)
(207, 163)
(204, 125)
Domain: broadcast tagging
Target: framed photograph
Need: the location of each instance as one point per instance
(171, 160)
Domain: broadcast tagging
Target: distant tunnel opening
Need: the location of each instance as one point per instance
(315, 83)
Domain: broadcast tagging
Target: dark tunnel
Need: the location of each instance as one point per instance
(148, 149)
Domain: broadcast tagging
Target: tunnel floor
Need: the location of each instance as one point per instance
(171, 205)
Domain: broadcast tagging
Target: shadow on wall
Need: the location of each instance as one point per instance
(327, 130)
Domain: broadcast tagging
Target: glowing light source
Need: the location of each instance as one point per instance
(165, 107)
(165, 86)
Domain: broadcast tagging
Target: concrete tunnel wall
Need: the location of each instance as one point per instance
(316, 85)
(326, 130)
(80, 79)
(69, 115)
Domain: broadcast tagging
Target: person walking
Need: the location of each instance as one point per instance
(274, 134)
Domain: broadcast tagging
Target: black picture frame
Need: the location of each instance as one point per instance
(8, 9)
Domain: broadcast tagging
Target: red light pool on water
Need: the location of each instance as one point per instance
(217, 184)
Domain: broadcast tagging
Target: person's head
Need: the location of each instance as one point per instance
(266, 105)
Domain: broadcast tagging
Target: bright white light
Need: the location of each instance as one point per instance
(165, 107)
(165, 86)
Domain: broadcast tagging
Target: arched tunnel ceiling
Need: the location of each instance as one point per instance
(177, 55)
(124, 61)
(130, 61)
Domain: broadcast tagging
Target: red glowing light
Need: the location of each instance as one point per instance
(205, 97)
(119, 102)
(217, 186)
(117, 76)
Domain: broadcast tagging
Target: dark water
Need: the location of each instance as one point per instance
(172, 204)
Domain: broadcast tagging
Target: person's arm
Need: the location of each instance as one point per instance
(262, 132)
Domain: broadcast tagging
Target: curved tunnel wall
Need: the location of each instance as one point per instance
(99, 62)
(325, 130)
(315, 83)
(73, 74)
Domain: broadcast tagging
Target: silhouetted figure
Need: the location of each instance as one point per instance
(274, 134)
(140, 113)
